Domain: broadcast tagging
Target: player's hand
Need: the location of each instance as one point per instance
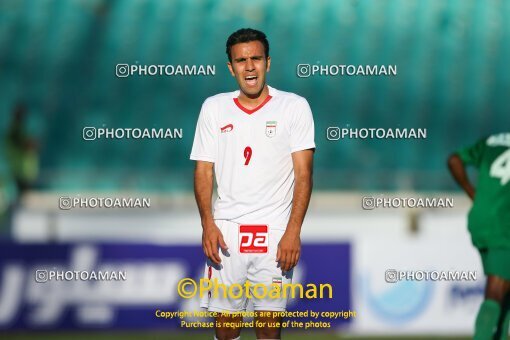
(289, 250)
(211, 239)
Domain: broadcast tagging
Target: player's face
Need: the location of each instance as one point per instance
(249, 66)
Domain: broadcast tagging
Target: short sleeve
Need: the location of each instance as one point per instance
(473, 154)
(302, 127)
(205, 141)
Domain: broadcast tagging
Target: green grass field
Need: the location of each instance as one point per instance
(191, 336)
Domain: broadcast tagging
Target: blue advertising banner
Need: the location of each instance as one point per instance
(123, 286)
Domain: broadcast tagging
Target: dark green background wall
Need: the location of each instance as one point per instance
(59, 57)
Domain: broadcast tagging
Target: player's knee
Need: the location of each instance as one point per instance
(267, 333)
(227, 333)
(494, 294)
(495, 290)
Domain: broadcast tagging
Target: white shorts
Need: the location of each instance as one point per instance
(251, 256)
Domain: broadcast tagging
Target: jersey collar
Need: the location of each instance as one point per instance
(250, 111)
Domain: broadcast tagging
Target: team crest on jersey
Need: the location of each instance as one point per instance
(271, 128)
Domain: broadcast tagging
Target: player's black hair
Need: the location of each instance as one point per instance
(246, 35)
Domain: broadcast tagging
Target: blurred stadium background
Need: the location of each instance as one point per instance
(57, 75)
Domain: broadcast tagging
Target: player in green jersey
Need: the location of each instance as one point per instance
(489, 225)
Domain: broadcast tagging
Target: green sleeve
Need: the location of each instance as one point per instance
(472, 155)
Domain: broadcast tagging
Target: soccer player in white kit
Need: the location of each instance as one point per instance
(258, 142)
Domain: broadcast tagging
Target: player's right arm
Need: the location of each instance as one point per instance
(458, 171)
(211, 234)
(204, 153)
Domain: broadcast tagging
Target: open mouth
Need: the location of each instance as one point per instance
(251, 80)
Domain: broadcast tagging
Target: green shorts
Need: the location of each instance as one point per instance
(496, 261)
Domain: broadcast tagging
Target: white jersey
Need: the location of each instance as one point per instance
(251, 151)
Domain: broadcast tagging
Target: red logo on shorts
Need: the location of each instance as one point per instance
(253, 239)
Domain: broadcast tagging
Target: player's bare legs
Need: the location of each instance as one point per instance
(497, 288)
(268, 331)
(226, 331)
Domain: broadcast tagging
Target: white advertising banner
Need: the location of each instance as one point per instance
(415, 285)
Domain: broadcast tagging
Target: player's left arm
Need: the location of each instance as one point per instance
(458, 162)
(458, 170)
(289, 248)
